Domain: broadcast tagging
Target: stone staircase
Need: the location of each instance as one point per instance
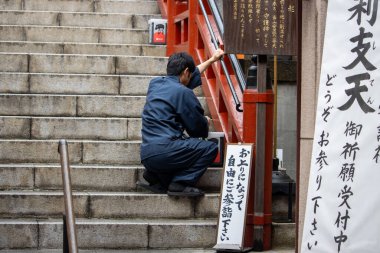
(79, 70)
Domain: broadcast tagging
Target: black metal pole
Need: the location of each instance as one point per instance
(68, 197)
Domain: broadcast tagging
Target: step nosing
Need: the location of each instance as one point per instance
(78, 12)
(68, 118)
(82, 43)
(73, 166)
(73, 141)
(70, 95)
(86, 55)
(75, 74)
(81, 221)
(76, 27)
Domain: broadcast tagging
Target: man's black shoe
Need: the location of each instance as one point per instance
(155, 188)
(180, 190)
(150, 177)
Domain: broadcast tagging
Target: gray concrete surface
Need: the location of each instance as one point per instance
(102, 6)
(139, 251)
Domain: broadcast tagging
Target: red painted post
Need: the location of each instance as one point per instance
(250, 100)
(171, 28)
(193, 30)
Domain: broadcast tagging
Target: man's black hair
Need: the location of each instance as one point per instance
(178, 62)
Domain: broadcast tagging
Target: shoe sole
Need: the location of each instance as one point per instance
(150, 188)
(185, 194)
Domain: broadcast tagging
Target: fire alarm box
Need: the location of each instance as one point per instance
(157, 31)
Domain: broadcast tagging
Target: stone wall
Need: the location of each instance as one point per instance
(313, 26)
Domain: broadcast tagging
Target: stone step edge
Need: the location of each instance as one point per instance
(82, 43)
(72, 141)
(80, 221)
(84, 55)
(74, 165)
(70, 95)
(84, 12)
(168, 221)
(74, 74)
(74, 95)
(66, 118)
(75, 27)
(142, 250)
(87, 193)
(80, 166)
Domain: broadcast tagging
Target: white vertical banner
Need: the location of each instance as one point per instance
(234, 197)
(343, 202)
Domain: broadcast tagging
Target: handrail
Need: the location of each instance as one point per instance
(71, 234)
(224, 67)
(188, 31)
(232, 57)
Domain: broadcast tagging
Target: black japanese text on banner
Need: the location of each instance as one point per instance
(343, 197)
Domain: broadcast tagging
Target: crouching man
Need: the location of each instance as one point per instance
(173, 161)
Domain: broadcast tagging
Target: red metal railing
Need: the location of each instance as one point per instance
(187, 31)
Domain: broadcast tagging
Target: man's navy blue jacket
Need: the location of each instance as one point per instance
(170, 109)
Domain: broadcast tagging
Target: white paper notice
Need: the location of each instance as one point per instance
(235, 187)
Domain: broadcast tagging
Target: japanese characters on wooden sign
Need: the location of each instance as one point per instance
(266, 27)
(234, 195)
(342, 213)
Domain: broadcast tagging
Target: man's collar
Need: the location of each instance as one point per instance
(174, 78)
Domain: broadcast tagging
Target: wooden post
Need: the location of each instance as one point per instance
(258, 233)
(257, 128)
(171, 28)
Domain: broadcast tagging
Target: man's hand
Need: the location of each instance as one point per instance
(218, 54)
(208, 120)
(215, 57)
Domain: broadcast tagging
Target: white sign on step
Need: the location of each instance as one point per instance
(343, 202)
(233, 203)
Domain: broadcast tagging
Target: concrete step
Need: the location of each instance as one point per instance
(116, 234)
(283, 235)
(180, 250)
(82, 64)
(45, 204)
(82, 48)
(109, 205)
(73, 34)
(70, 84)
(70, 128)
(80, 151)
(107, 6)
(86, 177)
(81, 105)
(74, 19)
(56, 105)
(127, 234)
(35, 83)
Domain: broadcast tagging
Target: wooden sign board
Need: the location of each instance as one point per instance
(234, 196)
(266, 27)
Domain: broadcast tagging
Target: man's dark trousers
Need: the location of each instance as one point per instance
(183, 161)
